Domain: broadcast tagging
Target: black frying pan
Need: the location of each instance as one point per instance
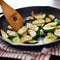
(26, 12)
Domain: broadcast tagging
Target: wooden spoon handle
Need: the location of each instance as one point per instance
(12, 16)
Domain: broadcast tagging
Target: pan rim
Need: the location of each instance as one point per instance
(31, 44)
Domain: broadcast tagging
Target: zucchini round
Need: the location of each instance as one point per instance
(50, 27)
(57, 32)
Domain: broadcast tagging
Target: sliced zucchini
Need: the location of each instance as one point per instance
(4, 35)
(9, 27)
(32, 27)
(57, 21)
(13, 33)
(42, 32)
(51, 16)
(29, 25)
(17, 40)
(19, 35)
(33, 34)
(50, 38)
(11, 37)
(47, 20)
(38, 31)
(26, 38)
(57, 32)
(22, 30)
(38, 22)
(29, 18)
(28, 21)
(40, 16)
(50, 27)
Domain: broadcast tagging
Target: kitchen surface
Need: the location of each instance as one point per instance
(11, 53)
(25, 3)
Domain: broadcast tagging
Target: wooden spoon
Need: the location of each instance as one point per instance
(12, 16)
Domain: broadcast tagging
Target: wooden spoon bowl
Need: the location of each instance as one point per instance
(12, 16)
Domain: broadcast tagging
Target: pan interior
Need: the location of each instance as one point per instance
(27, 12)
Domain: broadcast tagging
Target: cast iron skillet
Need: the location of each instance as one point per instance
(26, 12)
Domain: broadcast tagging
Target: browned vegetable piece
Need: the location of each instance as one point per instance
(29, 18)
(47, 20)
(51, 16)
(26, 38)
(38, 16)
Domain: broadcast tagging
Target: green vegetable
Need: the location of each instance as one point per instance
(57, 21)
(9, 27)
(40, 22)
(50, 27)
(12, 33)
(17, 40)
(38, 31)
(26, 38)
(35, 37)
(42, 32)
(47, 20)
(22, 30)
(19, 35)
(57, 32)
(33, 34)
(4, 35)
(11, 37)
(40, 16)
(52, 17)
(50, 38)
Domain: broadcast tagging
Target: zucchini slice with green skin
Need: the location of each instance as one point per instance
(57, 32)
(4, 35)
(13, 33)
(42, 33)
(28, 21)
(47, 20)
(29, 25)
(26, 38)
(40, 16)
(29, 18)
(33, 34)
(52, 17)
(19, 35)
(11, 37)
(32, 27)
(57, 21)
(50, 27)
(9, 27)
(40, 22)
(17, 40)
(50, 38)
